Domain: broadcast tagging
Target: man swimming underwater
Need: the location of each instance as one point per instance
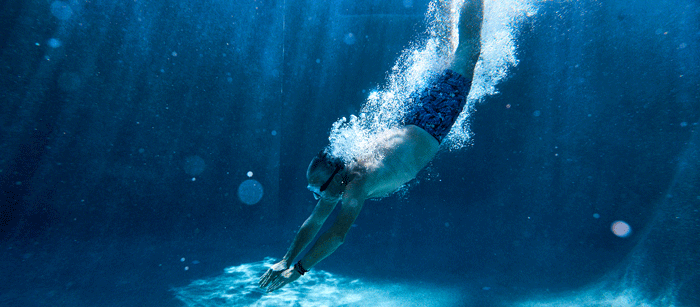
(402, 153)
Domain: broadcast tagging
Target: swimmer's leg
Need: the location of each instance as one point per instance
(467, 53)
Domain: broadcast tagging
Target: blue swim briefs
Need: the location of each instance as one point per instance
(436, 108)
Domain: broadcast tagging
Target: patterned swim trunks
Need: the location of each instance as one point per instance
(436, 108)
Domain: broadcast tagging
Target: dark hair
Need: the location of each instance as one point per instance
(334, 165)
(324, 157)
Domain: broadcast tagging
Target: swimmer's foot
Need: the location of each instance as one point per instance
(470, 19)
(467, 53)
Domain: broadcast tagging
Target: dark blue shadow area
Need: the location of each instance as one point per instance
(127, 128)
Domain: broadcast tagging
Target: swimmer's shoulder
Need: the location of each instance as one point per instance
(423, 142)
(419, 135)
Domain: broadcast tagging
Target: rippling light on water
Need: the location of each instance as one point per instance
(238, 286)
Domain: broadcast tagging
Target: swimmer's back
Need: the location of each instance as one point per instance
(404, 152)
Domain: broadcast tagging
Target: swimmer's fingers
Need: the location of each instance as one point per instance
(270, 277)
(272, 274)
(283, 279)
(277, 283)
(265, 279)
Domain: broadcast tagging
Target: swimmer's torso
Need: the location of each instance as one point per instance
(400, 154)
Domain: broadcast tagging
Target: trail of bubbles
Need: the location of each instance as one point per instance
(421, 61)
(502, 20)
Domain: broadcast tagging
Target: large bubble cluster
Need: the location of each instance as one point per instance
(384, 108)
(427, 57)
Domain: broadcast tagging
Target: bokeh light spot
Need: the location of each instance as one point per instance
(621, 229)
(61, 10)
(54, 43)
(349, 39)
(250, 192)
(194, 165)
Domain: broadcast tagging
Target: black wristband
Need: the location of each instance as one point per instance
(300, 268)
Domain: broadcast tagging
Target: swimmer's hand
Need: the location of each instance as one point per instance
(279, 275)
(272, 273)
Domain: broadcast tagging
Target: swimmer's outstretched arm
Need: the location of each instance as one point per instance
(306, 233)
(335, 236)
(324, 246)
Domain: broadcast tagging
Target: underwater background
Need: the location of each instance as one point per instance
(153, 153)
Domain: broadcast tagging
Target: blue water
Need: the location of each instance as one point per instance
(131, 132)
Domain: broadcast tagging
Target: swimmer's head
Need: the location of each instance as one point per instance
(327, 176)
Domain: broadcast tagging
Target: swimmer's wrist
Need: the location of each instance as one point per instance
(300, 268)
(285, 262)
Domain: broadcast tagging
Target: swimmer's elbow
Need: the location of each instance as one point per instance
(338, 236)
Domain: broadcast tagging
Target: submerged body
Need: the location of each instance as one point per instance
(396, 157)
(400, 154)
